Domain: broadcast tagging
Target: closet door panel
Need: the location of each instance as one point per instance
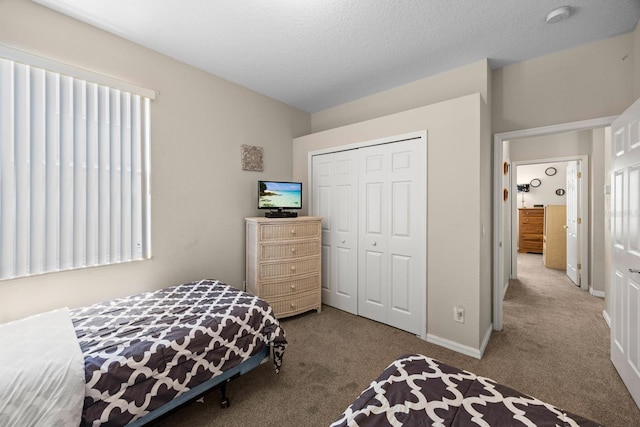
(335, 189)
(407, 235)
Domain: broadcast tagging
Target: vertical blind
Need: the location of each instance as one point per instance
(73, 173)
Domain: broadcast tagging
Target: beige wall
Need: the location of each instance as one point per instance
(587, 82)
(199, 193)
(636, 62)
(461, 81)
(454, 235)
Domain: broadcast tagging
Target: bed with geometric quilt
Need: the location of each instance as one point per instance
(416, 390)
(143, 354)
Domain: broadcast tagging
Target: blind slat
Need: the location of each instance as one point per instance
(23, 168)
(7, 171)
(38, 175)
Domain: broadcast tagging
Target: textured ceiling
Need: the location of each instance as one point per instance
(316, 54)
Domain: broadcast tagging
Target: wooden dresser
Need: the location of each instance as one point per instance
(530, 229)
(283, 262)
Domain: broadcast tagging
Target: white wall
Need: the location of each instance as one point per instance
(199, 193)
(545, 194)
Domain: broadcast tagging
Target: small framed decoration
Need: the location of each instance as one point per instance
(505, 168)
(251, 158)
(550, 171)
(560, 191)
(535, 182)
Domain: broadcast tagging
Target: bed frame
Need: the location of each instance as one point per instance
(195, 393)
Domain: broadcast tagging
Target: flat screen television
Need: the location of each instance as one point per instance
(278, 196)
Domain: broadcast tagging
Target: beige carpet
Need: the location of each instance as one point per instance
(555, 346)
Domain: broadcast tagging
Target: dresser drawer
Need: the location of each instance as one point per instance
(532, 239)
(285, 288)
(274, 270)
(532, 213)
(276, 251)
(531, 229)
(289, 231)
(538, 220)
(296, 304)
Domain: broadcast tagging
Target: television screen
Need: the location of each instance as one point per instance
(279, 195)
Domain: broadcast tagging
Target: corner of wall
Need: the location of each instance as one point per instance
(636, 61)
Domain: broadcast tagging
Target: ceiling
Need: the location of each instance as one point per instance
(316, 54)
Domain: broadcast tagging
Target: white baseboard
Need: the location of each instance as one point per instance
(504, 289)
(599, 294)
(485, 340)
(451, 345)
(607, 318)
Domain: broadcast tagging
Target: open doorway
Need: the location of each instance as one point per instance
(549, 210)
(504, 191)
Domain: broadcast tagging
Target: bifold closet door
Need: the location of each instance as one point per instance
(392, 234)
(335, 199)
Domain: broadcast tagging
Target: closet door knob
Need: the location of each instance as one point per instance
(375, 244)
(343, 242)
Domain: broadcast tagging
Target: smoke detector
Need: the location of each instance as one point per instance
(559, 14)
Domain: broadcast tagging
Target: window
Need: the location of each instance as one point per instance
(74, 170)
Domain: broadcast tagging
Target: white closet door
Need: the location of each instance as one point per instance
(335, 199)
(392, 236)
(573, 225)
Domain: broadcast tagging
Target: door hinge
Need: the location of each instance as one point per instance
(579, 220)
(579, 175)
(579, 266)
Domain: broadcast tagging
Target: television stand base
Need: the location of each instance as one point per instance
(281, 214)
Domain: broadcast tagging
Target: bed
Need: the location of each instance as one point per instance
(416, 390)
(140, 356)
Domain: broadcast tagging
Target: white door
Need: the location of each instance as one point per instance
(335, 199)
(573, 221)
(392, 237)
(625, 238)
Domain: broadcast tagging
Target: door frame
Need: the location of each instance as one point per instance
(583, 213)
(499, 256)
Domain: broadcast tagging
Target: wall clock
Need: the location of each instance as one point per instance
(535, 182)
(550, 171)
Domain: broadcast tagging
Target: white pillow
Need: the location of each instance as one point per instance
(41, 371)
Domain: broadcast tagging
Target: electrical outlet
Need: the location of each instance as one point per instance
(458, 314)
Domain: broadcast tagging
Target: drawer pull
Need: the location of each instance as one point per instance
(293, 231)
(293, 268)
(293, 305)
(293, 287)
(293, 250)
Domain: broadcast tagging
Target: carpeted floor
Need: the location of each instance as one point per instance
(554, 346)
